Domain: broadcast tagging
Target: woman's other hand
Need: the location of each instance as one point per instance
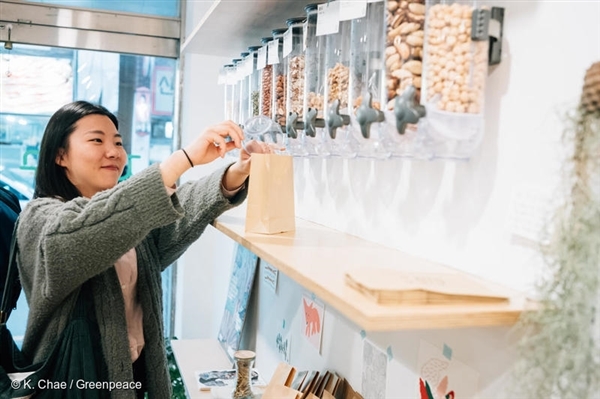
(215, 142)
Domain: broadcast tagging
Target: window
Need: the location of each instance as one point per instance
(162, 8)
(35, 81)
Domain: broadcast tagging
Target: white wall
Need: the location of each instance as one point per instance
(454, 213)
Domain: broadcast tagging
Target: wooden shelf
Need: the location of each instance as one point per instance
(229, 27)
(316, 257)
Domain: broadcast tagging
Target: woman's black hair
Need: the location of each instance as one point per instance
(50, 178)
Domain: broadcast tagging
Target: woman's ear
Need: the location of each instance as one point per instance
(60, 157)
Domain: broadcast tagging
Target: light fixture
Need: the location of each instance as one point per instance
(8, 44)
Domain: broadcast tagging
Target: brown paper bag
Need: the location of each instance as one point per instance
(270, 208)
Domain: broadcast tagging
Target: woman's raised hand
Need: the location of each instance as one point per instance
(215, 142)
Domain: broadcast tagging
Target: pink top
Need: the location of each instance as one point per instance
(126, 267)
(127, 271)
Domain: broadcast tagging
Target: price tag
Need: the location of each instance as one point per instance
(273, 52)
(261, 61)
(287, 42)
(328, 18)
(248, 65)
(352, 9)
(374, 1)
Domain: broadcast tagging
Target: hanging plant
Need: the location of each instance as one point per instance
(559, 353)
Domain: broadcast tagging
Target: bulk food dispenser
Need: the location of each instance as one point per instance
(339, 137)
(275, 59)
(254, 82)
(293, 59)
(314, 86)
(368, 94)
(237, 88)
(244, 76)
(456, 65)
(226, 79)
(266, 78)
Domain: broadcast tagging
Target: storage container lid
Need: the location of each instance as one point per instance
(296, 20)
(277, 32)
(311, 7)
(254, 48)
(266, 40)
(236, 60)
(244, 54)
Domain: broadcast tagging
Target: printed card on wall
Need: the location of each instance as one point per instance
(374, 371)
(312, 329)
(270, 275)
(238, 296)
(443, 377)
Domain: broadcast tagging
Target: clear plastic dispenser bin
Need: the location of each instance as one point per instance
(368, 94)
(237, 88)
(339, 137)
(456, 63)
(314, 85)
(279, 76)
(293, 58)
(244, 74)
(254, 82)
(405, 39)
(265, 71)
(227, 78)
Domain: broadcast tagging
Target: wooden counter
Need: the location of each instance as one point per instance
(194, 355)
(316, 257)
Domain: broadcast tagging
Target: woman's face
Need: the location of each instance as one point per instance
(95, 157)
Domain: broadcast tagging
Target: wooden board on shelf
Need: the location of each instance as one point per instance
(317, 258)
(400, 287)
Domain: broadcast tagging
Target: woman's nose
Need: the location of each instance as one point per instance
(114, 151)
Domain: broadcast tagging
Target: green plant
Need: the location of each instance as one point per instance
(176, 380)
(559, 353)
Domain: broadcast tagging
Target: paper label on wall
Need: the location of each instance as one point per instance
(440, 377)
(328, 18)
(287, 42)
(270, 276)
(261, 61)
(283, 344)
(312, 329)
(273, 52)
(374, 371)
(352, 9)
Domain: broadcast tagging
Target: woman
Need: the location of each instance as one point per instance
(84, 227)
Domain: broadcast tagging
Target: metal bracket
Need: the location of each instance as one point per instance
(488, 25)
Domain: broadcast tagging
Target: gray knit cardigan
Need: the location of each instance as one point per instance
(64, 244)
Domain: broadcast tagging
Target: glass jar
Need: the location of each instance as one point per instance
(254, 82)
(314, 86)
(244, 360)
(337, 86)
(367, 95)
(293, 58)
(266, 78)
(279, 77)
(455, 75)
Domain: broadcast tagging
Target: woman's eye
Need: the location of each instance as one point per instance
(97, 140)
(120, 144)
